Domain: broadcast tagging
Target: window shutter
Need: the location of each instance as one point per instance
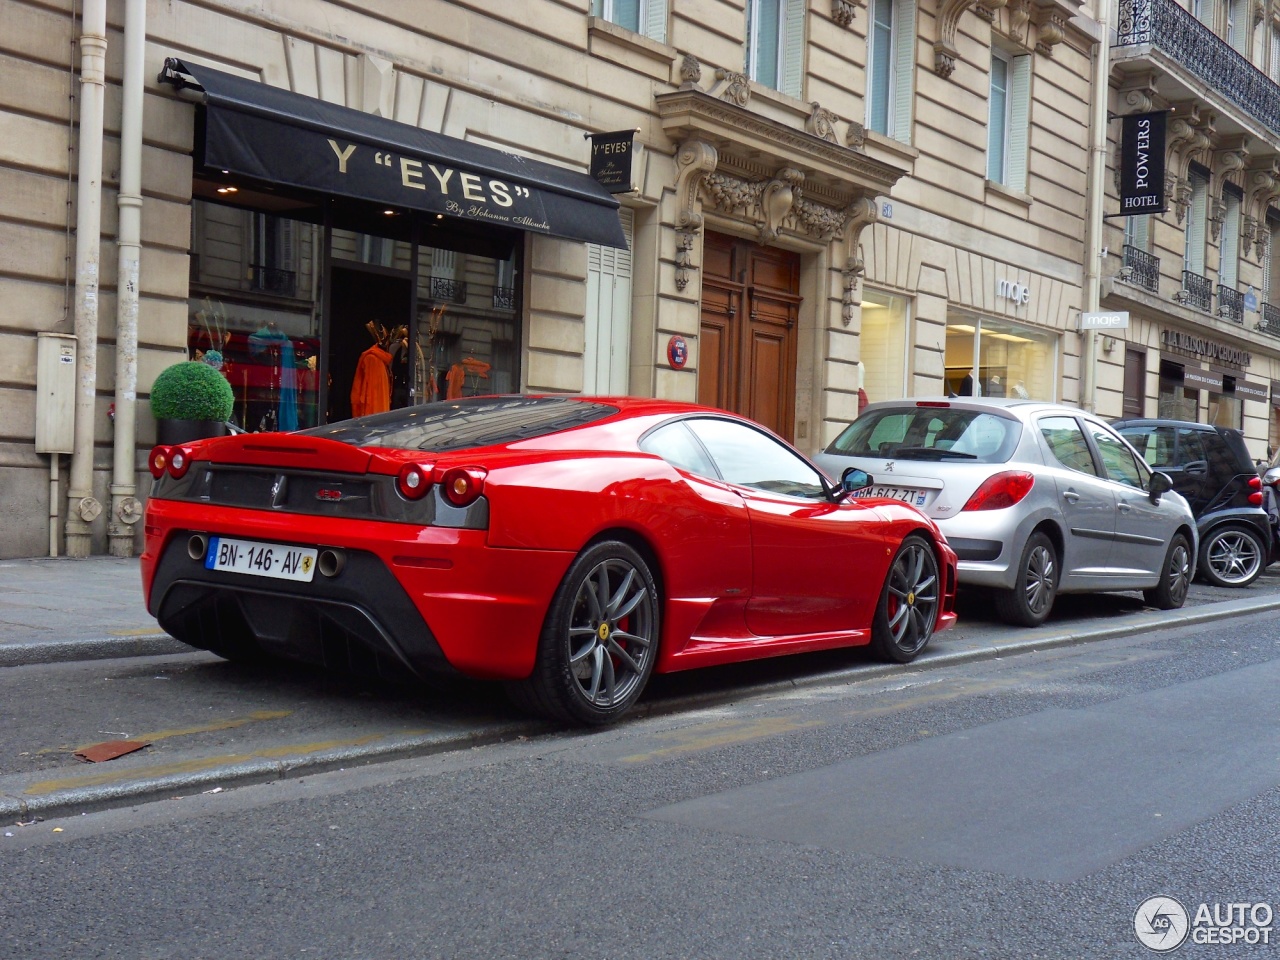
(1019, 122)
(904, 68)
(793, 48)
(997, 118)
(1241, 25)
(1269, 276)
(1229, 268)
(607, 334)
(655, 20)
(1193, 259)
(879, 65)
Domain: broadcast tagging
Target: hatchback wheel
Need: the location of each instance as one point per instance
(1175, 576)
(1232, 556)
(1033, 593)
(908, 607)
(600, 640)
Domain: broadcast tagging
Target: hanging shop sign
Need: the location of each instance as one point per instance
(1142, 164)
(611, 160)
(1253, 391)
(1201, 347)
(250, 129)
(1115, 320)
(1202, 379)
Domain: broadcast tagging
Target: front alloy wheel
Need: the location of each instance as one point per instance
(1231, 557)
(600, 640)
(908, 607)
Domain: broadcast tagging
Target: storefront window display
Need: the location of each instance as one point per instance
(1226, 410)
(885, 324)
(986, 357)
(1177, 401)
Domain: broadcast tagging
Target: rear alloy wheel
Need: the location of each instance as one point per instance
(1029, 602)
(1175, 576)
(600, 640)
(1232, 556)
(908, 607)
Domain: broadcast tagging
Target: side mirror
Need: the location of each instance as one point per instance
(1160, 484)
(853, 480)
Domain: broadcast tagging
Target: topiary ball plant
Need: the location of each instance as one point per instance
(191, 391)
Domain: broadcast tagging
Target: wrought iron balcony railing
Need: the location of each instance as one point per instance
(1196, 291)
(1202, 53)
(504, 298)
(1230, 304)
(1270, 322)
(273, 280)
(448, 290)
(1141, 268)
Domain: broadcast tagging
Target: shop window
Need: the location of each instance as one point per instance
(884, 339)
(986, 357)
(648, 17)
(1176, 401)
(890, 67)
(1008, 119)
(1225, 409)
(253, 314)
(775, 44)
(607, 334)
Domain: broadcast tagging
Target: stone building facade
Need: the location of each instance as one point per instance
(834, 200)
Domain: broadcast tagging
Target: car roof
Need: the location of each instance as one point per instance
(1010, 406)
(1164, 422)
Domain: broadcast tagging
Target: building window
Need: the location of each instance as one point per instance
(606, 357)
(1197, 218)
(1229, 268)
(884, 338)
(1271, 260)
(890, 67)
(775, 44)
(648, 17)
(1239, 25)
(986, 357)
(1008, 120)
(1137, 232)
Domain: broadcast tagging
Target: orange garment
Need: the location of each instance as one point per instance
(371, 388)
(456, 378)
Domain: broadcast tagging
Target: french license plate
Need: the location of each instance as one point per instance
(261, 559)
(905, 494)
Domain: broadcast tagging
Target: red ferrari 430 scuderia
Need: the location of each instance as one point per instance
(569, 546)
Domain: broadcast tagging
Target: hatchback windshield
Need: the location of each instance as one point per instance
(929, 433)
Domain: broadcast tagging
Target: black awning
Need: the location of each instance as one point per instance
(277, 136)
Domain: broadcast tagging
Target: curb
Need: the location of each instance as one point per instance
(87, 799)
(100, 648)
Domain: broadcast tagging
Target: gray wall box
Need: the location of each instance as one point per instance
(55, 393)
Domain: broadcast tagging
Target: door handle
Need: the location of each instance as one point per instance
(1124, 507)
(1071, 496)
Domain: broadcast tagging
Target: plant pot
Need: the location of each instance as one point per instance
(169, 432)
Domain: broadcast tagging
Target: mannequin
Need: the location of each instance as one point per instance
(371, 387)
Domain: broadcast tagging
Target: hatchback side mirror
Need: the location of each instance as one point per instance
(1159, 485)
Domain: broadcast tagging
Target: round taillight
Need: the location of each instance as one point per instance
(158, 460)
(463, 485)
(1001, 490)
(413, 481)
(179, 462)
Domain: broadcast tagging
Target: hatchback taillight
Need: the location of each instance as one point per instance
(158, 461)
(1001, 490)
(1255, 491)
(413, 481)
(462, 486)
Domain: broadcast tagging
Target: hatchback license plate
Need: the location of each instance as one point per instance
(276, 560)
(905, 494)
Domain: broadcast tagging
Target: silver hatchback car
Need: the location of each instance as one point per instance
(1035, 498)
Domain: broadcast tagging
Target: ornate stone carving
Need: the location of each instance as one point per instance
(843, 12)
(822, 122)
(776, 201)
(1261, 191)
(820, 221)
(734, 87)
(944, 49)
(852, 272)
(856, 135)
(694, 160)
(684, 257)
(1019, 17)
(1217, 213)
(1051, 33)
(779, 202)
(857, 215)
(730, 194)
(690, 72)
(1140, 94)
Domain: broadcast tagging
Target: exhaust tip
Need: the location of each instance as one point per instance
(331, 562)
(197, 546)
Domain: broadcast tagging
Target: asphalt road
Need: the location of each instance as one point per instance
(1020, 807)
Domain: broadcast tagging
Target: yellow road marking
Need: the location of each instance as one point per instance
(719, 734)
(230, 724)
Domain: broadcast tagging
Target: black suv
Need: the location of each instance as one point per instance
(1211, 467)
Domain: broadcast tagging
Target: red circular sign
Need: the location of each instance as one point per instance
(677, 352)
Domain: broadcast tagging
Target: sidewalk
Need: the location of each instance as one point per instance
(63, 609)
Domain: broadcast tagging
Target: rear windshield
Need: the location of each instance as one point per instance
(929, 433)
(461, 424)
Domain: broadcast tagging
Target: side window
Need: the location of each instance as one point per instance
(1119, 462)
(1190, 447)
(750, 458)
(1155, 444)
(676, 445)
(1066, 442)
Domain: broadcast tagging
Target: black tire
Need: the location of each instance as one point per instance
(908, 607)
(600, 639)
(1175, 576)
(1232, 555)
(1028, 604)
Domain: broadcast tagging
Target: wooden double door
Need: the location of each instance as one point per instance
(747, 339)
